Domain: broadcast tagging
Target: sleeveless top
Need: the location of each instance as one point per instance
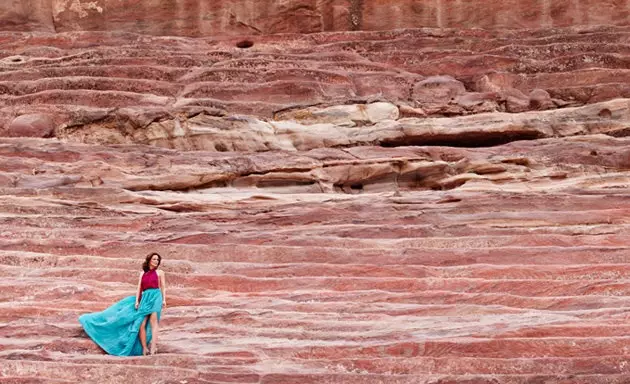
(150, 280)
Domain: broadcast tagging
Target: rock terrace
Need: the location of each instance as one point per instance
(409, 206)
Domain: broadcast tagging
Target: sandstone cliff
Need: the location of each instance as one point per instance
(237, 17)
(428, 205)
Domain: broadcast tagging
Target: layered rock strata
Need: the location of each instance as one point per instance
(505, 264)
(176, 92)
(238, 17)
(416, 206)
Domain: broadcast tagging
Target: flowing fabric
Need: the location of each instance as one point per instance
(116, 328)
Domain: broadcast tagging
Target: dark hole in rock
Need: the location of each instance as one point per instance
(534, 104)
(593, 153)
(221, 147)
(16, 59)
(343, 188)
(625, 132)
(211, 184)
(605, 113)
(463, 140)
(449, 199)
(284, 183)
(245, 44)
(356, 186)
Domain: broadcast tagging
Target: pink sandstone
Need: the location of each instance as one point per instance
(239, 17)
(446, 204)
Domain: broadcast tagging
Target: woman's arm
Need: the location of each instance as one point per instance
(138, 291)
(163, 288)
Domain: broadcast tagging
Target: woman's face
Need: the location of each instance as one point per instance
(155, 261)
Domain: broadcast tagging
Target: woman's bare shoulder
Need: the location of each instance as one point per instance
(160, 272)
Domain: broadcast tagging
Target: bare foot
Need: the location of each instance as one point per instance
(145, 351)
(153, 349)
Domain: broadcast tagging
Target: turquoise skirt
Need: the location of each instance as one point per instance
(116, 328)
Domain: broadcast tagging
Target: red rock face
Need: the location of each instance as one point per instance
(426, 205)
(238, 17)
(502, 264)
(125, 88)
(383, 14)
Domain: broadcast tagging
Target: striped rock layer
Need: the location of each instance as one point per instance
(238, 17)
(409, 206)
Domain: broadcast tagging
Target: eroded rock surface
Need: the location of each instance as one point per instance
(188, 93)
(411, 206)
(363, 264)
(238, 17)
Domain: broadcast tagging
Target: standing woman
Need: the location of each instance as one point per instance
(125, 328)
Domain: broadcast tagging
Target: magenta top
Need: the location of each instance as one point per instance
(149, 280)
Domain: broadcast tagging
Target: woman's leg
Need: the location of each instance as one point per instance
(154, 332)
(143, 337)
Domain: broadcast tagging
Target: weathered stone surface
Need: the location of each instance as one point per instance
(431, 262)
(343, 115)
(408, 206)
(238, 17)
(34, 125)
(356, 125)
(109, 87)
(437, 90)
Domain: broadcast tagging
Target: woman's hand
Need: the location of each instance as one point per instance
(136, 305)
(163, 303)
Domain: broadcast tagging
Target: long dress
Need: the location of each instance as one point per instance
(116, 328)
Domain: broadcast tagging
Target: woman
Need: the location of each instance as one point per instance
(123, 329)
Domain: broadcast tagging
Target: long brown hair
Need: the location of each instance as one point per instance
(147, 261)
